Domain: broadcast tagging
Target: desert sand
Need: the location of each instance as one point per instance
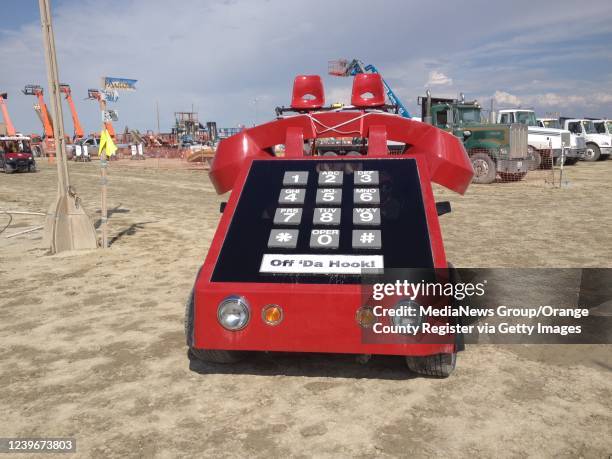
(92, 344)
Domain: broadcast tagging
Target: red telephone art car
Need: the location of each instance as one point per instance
(285, 270)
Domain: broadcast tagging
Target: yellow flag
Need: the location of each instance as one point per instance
(102, 145)
(106, 144)
(111, 148)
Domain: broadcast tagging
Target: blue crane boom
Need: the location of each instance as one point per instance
(356, 66)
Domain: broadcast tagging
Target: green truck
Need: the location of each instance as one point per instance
(494, 149)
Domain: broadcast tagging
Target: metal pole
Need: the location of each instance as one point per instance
(67, 227)
(103, 184)
(157, 110)
(54, 95)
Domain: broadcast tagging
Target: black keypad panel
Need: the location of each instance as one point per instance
(320, 220)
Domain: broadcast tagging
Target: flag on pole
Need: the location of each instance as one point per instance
(106, 144)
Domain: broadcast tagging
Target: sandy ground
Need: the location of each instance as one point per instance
(92, 346)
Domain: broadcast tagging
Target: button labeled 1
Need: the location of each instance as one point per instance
(288, 216)
(366, 178)
(366, 216)
(292, 196)
(296, 178)
(367, 239)
(329, 196)
(283, 239)
(366, 196)
(324, 239)
(330, 178)
(326, 216)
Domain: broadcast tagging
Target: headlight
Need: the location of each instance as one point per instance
(233, 313)
(503, 151)
(407, 312)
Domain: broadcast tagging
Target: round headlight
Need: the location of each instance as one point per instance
(407, 312)
(233, 313)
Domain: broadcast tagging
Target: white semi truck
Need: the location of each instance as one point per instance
(598, 146)
(578, 142)
(545, 144)
(603, 126)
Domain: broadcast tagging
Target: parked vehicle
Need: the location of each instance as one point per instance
(494, 149)
(598, 146)
(545, 145)
(578, 144)
(16, 154)
(603, 126)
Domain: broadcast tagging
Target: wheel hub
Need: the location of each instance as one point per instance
(481, 167)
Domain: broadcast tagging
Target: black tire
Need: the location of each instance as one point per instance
(206, 355)
(484, 168)
(570, 161)
(512, 176)
(439, 365)
(592, 152)
(32, 168)
(535, 157)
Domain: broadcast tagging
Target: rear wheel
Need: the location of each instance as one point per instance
(206, 355)
(570, 161)
(592, 152)
(484, 168)
(535, 157)
(439, 365)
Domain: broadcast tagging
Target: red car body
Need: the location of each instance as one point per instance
(318, 317)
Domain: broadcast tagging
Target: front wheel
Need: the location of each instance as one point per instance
(438, 365)
(592, 152)
(484, 168)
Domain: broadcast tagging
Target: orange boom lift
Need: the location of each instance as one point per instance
(45, 118)
(10, 129)
(78, 129)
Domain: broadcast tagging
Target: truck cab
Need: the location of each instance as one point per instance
(493, 149)
(546, 145)
(578, 144)
(598, 146)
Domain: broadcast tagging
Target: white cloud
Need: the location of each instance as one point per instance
(437, 78)
(219, 55)
(502, 97)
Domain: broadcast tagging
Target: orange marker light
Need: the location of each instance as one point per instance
(272, 314)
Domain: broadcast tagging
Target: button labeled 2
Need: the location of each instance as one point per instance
(330, 178)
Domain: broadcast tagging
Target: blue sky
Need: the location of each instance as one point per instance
(234, 60)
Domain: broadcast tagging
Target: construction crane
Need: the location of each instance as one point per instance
(41, 109)
(345, 67)
(96, 94)
(78, 130)
(10, 129)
